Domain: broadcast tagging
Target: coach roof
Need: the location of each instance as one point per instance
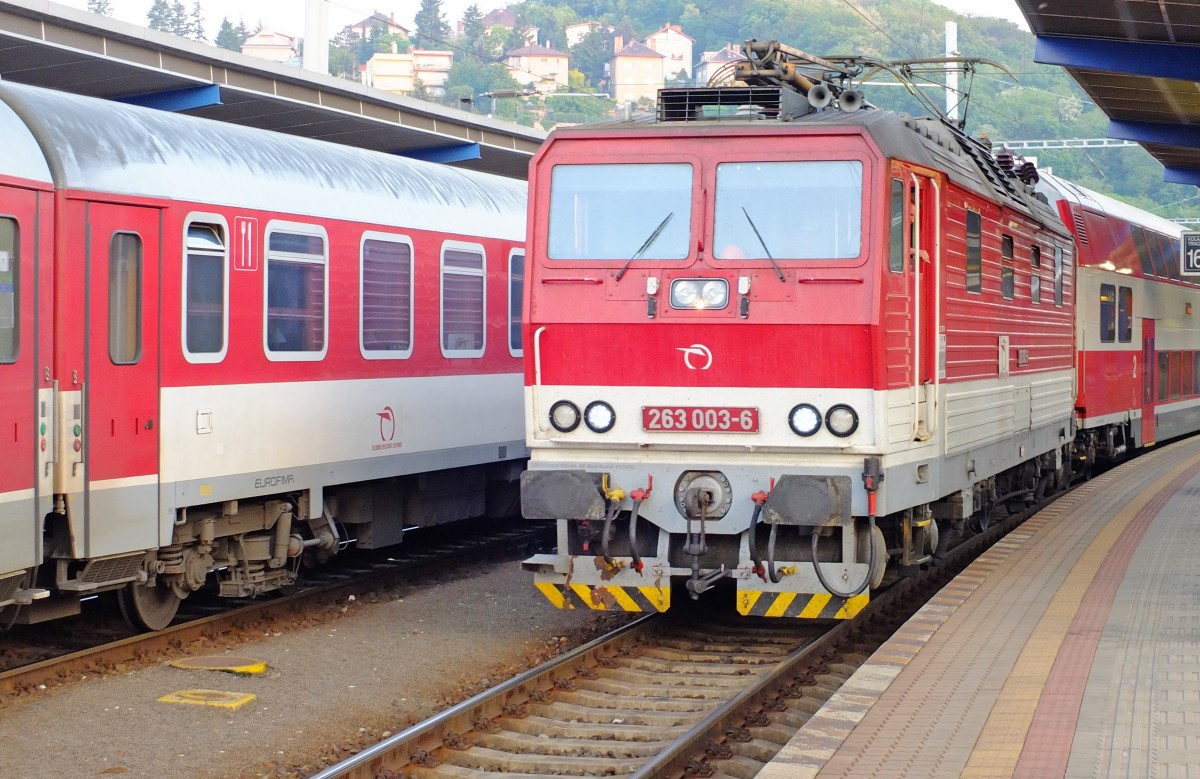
(102, 146)
(23, 159)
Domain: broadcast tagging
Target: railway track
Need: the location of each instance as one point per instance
(666, 696)
(51, 653)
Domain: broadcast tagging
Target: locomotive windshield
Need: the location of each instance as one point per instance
(618, 212)
(788, 210)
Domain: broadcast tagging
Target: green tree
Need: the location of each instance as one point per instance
(195, 22)
(591, 53)
(228, 36)
(179, 24)
(474, 34)
(102, 7)
(577, 108)
(159, 16)
(432, 29)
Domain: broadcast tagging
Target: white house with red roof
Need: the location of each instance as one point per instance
(543, 68)
(634, 72)
(713, 62)
(676, 47)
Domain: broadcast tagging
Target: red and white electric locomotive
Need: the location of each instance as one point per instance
(780, 339)
(222, 349)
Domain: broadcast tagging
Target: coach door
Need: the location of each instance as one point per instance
(121, 385)
(1149, 371)
(24, 448)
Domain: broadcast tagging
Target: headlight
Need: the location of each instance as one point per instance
(599, 416)
(804, 419)
(684, 293)
(841, 420)
(564, 416)
(699, 293)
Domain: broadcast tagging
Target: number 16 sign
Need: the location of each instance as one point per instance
(1189, 253)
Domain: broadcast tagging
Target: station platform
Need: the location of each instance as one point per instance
(1069, 649)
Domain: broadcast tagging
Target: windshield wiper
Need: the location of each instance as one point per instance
(763, 243)
(642, 250)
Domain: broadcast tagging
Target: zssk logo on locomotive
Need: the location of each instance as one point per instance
(701, 352)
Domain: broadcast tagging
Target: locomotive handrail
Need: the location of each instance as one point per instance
(937, 301)
(917, 340)
(537, 377)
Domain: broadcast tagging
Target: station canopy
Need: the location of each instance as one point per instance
(51, 45)
(1139, 61)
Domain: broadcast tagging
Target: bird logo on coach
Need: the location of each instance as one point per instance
(696, 350)
(387, 429)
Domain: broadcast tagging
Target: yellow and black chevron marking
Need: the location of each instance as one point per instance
(606, 597)
(791, 604)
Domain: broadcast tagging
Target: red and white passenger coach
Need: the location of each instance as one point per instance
(784, 344)
(223, 349)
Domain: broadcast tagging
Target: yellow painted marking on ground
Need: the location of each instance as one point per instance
(782, 601)
(230, 663)
(217, 698)
(815, 605)
(999, 745)
(658, 596)
(624, 600)
(746, 601)
(585, 592)
(853, 606)
(554, 595)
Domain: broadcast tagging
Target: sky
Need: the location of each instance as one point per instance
(287, 16)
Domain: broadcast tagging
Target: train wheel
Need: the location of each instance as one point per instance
(147, 607)
(881, 555)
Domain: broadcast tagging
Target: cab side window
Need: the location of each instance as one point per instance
(10, 291)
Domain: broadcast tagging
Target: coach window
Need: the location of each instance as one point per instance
(386, 279)
(1157, 246)
(974, 252)
(125, 299)
(1108, 310)
(1185, 370)
(1164, 373)
(204, 292)
(463, 306)
(896, 250)
(1124, 315)
(1058, 276)
(1007, 284)
(10, 291)
(1171, 260)
(516, 285)
(296, 298)
(1139, 243)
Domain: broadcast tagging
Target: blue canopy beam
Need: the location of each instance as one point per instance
(1139, 58)
(1161, 133)
(458, 153)
(183, 99)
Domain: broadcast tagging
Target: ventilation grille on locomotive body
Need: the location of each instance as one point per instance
(687, 104)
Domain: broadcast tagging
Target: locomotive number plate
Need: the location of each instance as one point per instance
(700, 419)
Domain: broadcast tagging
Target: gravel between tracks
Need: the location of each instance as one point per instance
(366, 669)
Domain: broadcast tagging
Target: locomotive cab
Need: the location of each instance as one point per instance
(738, 340)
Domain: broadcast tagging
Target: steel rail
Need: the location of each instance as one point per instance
(451, 727)
(397, 747)
(55, 669)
